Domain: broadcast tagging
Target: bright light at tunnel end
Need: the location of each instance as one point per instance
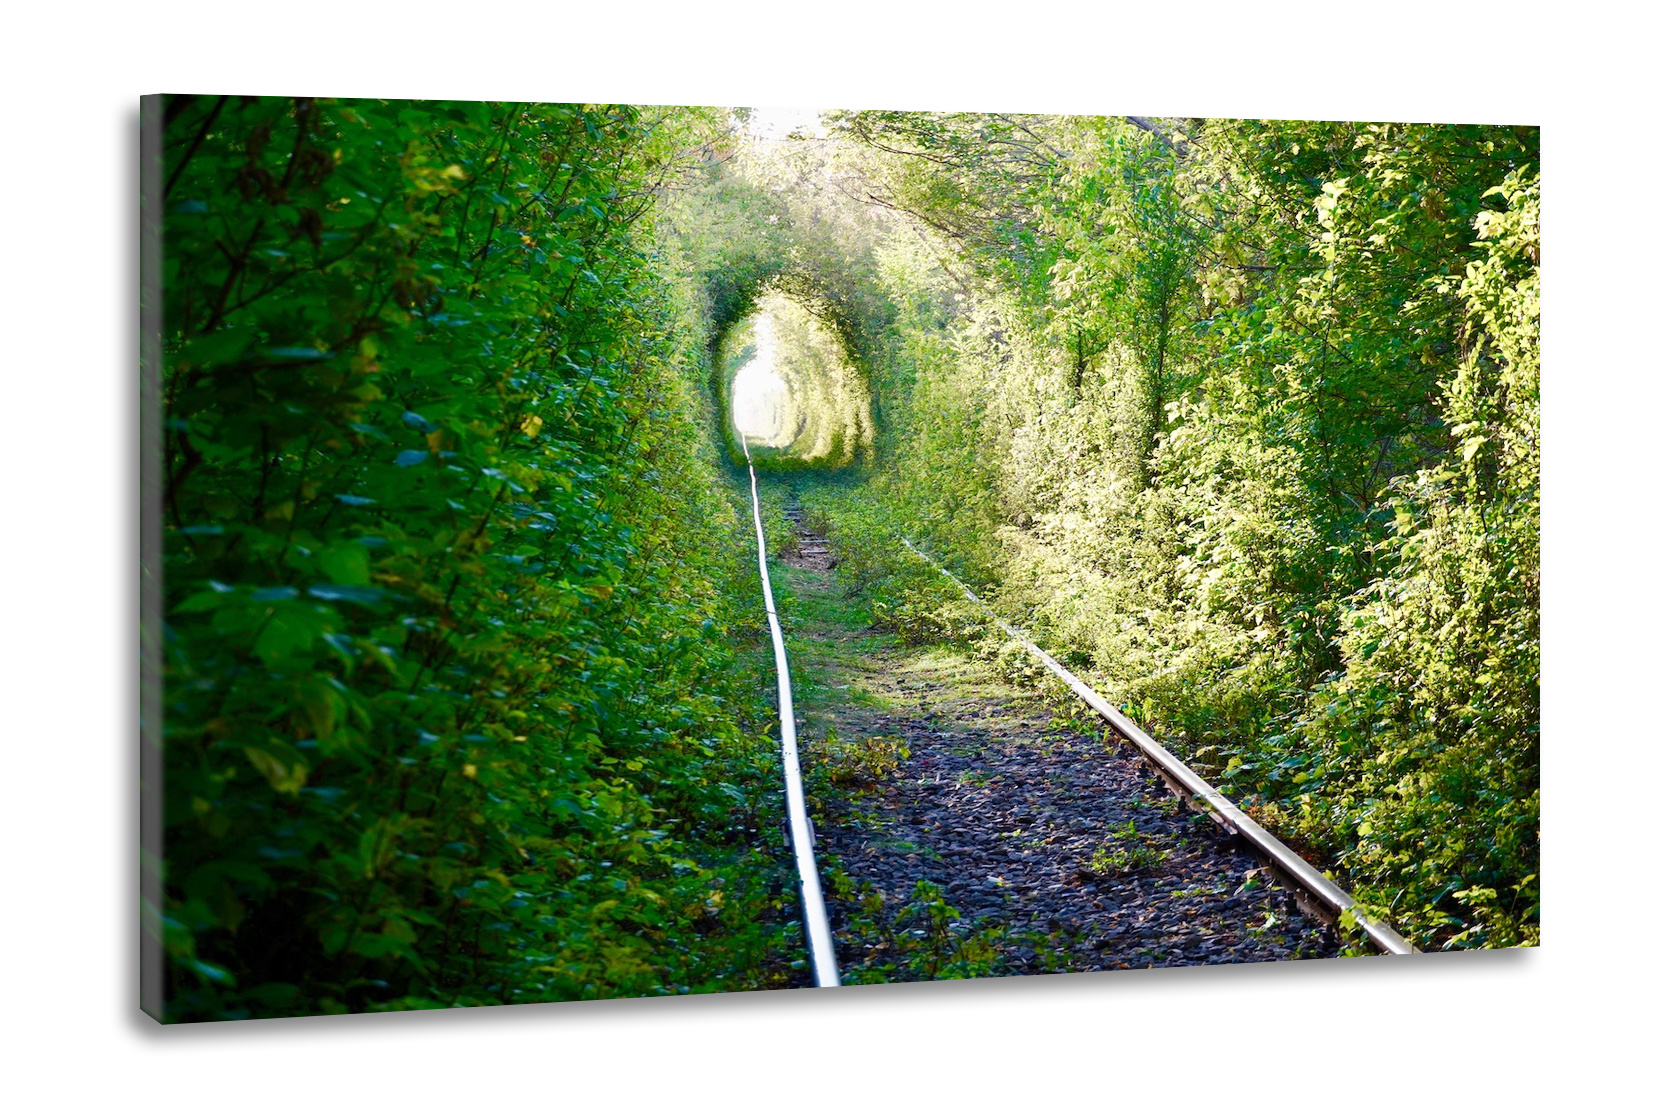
(762, 401)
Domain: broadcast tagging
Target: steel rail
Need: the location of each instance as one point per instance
(801, 834)
(1316, 891)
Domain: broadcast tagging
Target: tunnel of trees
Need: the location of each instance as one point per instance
(465, 698)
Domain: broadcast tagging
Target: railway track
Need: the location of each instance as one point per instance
(1314, 892)
(1028, 828)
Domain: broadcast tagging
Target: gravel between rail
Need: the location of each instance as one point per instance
(1061, 852)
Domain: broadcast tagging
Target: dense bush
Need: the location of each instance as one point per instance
(1241, 416)
(454, 693)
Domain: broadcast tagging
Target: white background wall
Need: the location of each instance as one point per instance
(1579, 1027)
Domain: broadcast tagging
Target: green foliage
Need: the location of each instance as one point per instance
(856, 765)
(1241, 419)
(453, 696)
(1109, 862)
(902, 593)
(922, 941)
(1442, 685)
(1132, 852)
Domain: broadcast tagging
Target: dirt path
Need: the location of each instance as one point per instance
(1055, 851)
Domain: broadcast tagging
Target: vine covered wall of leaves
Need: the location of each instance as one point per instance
(454, 713)
(1242, 417)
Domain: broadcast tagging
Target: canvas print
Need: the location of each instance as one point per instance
(610, 550)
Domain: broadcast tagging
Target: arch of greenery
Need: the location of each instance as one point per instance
(809, 340)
